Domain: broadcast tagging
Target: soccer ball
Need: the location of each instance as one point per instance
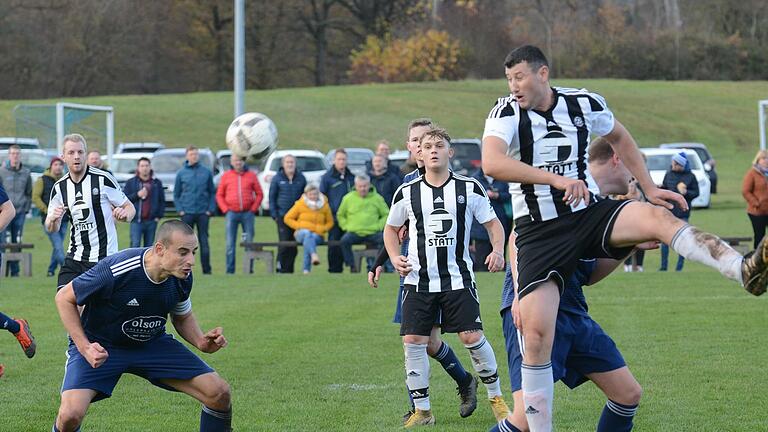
(252, 136)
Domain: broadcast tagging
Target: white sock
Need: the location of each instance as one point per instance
(708, 249)
(417, 374)
(484, 362)
(538, 392)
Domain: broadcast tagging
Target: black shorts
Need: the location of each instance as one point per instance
(460, 311)
(551, 249)
(72, 269)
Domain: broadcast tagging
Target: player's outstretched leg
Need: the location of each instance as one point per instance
(417, 379)
(74, 405)
(20, 329)
(466, 384)
(484, 362)
(623, 392)
(214, 393)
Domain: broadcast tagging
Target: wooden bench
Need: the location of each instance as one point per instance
(16, 254)
(735, 242)
(257, 251)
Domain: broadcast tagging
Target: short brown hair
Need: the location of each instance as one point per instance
(600, 150)
(167, 228)
(424, 121)
(340, 150)
(14, 147)
(436, 132)
(190, 148)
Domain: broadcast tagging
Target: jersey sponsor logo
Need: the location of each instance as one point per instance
(143, 328)
(554, 150)
(439, 225)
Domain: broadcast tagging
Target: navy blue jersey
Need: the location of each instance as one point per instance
(123, 306)
(3, 195)
(572, 300)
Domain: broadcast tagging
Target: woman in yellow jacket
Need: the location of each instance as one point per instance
(310, 218)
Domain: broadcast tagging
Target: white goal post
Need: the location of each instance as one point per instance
(762, 111)
(60, 125)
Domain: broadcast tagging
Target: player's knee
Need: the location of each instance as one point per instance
(470, 337)
(70, 416)
(218, 396)
(632, 395)
(415, 339)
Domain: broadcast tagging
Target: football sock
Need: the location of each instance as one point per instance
(9, 324)
(55, 429)
(538, 392)
(484, 362)
(417, 374)
(708, 249)
(447, 358)
(215, 421)
(616, 417)
(504, 426)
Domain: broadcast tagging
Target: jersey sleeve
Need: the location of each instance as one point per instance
(479, 203)
(56, 199)
(3, 195)
(501, 120)
(599, 116)
(398, 211)
(96, 283)
(184, 306)
(115, 195)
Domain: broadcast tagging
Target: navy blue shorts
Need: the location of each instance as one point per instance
(581, 347)
(162, 358)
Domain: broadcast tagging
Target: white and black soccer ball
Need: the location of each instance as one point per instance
(252, 136)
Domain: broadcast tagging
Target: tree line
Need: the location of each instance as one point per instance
(61, 48)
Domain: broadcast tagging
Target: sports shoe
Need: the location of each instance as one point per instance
(754, 271)
(499, 408)
(407, 415)
(468, 396)
(25, 338)
(420, 418)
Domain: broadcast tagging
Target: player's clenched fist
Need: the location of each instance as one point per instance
(58, 213)
(95, 354)
(402, 265)
(213, 341)
(120, 213)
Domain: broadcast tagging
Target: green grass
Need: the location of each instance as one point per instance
(320, 353)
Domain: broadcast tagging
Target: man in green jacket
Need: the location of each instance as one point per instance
(362, 215)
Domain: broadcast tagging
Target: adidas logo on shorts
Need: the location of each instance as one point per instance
(133, 302)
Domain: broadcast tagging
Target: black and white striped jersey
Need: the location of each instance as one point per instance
(439, 221)
(556, 140)
(89, 204)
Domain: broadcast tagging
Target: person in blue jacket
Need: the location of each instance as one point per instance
(146, 193)
(334, 184)
(498, 193)
(195, 200)
(286, 187)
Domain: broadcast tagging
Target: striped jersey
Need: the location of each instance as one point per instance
(439, 222)
(556, 140)
(89, 204)
(123, 306)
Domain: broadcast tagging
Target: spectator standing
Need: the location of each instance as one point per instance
(498, 194)
(680, 179)
(147, 195)
(383, 150)
(362, 215)
(286, 187)
(310, 218)
(385, 181)
(41, 195)
(17, 182)
(239, 196)
(754, 188)
(94, 160)
(335, 184)
(195, 199)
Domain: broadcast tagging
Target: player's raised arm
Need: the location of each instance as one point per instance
(187, 326)
(66, 303)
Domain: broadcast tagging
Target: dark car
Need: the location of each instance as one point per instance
(704, 155)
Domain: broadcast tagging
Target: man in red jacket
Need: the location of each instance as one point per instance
(239, 197)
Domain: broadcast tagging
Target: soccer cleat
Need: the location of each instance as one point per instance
(499, 408)
(468, 396)
(420, 418)
(25, 338)
(407, 415)
(754, 269)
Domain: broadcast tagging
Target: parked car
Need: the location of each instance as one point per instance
(123, 165)
(311, 163)
(466, 156)
(139, 147)
(35, 159)
(399, 157)
(24, 143)
(704, 155)
(357, 158)
(167, 162)
(659, 161)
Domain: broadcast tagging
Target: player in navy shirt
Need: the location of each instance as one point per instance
(127, 298)
(18, 327)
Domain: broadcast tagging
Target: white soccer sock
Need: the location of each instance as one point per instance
(538, 392)
(708, 249)
(484, 362)
(417, 374)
